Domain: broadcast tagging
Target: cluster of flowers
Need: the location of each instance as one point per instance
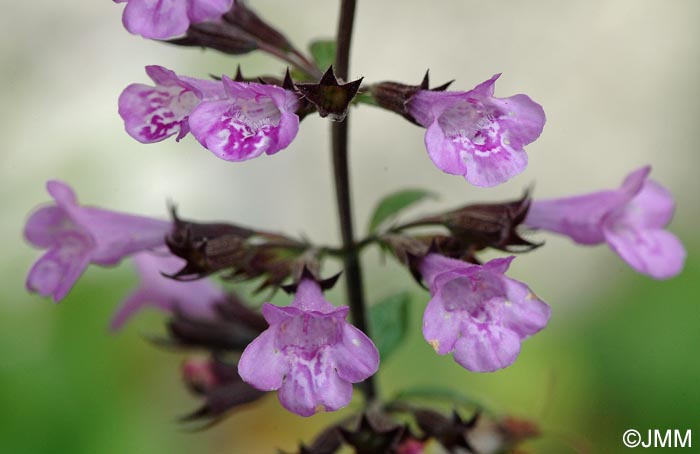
(312, 355)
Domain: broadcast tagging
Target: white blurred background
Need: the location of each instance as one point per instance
(618, 79)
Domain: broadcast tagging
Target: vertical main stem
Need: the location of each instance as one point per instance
(339, 134)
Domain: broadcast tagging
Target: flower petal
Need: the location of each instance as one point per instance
(523, 312)
(652, 207)
(62, 193)
(486, 348)
(486, 88)
(522, 117)
(297, 393)
(156, 19)
(488, 168)
(194, 299)
(130, 306)
(312, 385)
(335, 394)
(309, 297)
(441, 329)
(432, 265)
(654, 252)
(45, 225)
(222, 129)
(118, 234)
(262, 364)
(443, 152)
(208, 10)
(152, 114)
(55, 273)
(356, 357)
(580, 217)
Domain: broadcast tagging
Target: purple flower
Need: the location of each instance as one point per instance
(193, 299)
(478, 313)
(255, 119)
(309, 353)
(475, 134)
(630, 219)
(76, 236)
(152, 114)
(163, 19)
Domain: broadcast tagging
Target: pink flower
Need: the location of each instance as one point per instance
(309, 353)
(630, 219)
(475, 134)
(164, 19)
(76, 236)
(253, 120)
(478, 313)
(195, 300)
(152, 114)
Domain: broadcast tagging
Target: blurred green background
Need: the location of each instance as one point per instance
(618, 80)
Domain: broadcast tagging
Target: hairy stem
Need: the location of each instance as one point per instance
(339, 133)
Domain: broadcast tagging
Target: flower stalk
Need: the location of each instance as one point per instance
(339, 141)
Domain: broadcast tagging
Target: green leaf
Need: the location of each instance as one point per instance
(388, 321)
(300, 76)
(323, 53)
(441, 394)
(390, 205)
(365, 98)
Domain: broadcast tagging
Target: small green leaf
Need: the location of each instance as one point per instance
(365, 98)
(323, 52)
(390, 205)
(441, 394)
(300, 76)
(388, 321)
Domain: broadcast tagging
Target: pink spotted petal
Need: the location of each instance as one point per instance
(262, 365)
(161, 19)
(654, 252)
(222, 129)
(486, 348)
(355, 355)
(488, 168)
(441, 329)
(312, 385)
(55, 273)
(208, 10)
(152, 114)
